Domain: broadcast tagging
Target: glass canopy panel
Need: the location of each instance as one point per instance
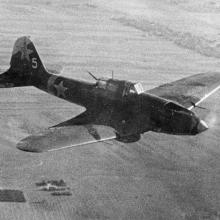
(138, 88)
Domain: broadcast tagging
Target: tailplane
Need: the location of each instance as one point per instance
(25, 63)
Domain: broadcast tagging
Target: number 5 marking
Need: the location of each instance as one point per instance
(34, 63)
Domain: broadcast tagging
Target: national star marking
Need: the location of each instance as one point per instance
(60, 89)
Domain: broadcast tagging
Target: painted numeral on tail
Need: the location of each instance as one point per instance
(34, 63)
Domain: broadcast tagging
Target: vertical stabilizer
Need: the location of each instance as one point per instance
(25, 65)
(25, 57)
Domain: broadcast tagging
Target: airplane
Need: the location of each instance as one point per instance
(115, 109)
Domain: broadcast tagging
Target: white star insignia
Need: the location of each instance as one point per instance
(60, 89)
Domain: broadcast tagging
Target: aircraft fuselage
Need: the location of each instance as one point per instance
(129, 114)
(120, 104)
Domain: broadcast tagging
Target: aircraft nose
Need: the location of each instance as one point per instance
(201, 126)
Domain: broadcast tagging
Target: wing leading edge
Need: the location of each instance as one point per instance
(189, 91)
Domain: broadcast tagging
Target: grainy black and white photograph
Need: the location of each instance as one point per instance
(110, 110)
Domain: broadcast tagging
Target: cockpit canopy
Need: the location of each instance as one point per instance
(119, 88)
(101, 83)
(136, 88)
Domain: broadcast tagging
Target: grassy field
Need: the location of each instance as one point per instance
(159, 177)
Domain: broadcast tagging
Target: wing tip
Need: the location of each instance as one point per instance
(25, 147)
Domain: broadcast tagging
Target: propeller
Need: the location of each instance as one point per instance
(212, 117)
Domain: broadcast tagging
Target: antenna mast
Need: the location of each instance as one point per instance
(92, 75)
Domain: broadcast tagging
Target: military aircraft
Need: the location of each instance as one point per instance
(115, 109)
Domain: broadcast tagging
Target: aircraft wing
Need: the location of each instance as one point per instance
(189, 91)
(66, 137)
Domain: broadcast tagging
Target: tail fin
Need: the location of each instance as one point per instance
(24, 63)
(25, 57)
